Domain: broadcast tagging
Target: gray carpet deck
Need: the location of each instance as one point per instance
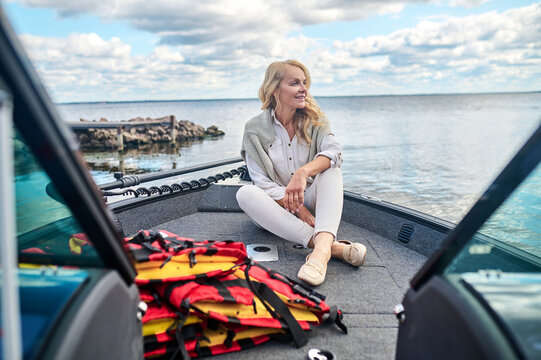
(366, 295)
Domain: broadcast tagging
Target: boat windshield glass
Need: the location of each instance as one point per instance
(501, 265)
(510, 240)
(47, 232)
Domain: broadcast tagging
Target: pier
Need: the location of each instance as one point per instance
(101, 134)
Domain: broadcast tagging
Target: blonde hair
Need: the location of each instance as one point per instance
(311, 114)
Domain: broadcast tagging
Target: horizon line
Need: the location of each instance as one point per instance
(315, 96)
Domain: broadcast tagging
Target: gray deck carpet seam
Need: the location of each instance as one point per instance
(368, 312)
(375, 250)
(391, 274)
(373, 266)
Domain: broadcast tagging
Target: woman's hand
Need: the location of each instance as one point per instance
(305, 215)
(294, 195)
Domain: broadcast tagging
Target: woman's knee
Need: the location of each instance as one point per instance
(333, 174)
(247, 194)
(333, 171)
(243, 195)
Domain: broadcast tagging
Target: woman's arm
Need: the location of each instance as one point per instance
(262, 181)
(331, 149)
(330, 155)
(294, 193)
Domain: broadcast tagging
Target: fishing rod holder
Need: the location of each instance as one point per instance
(172, 188)
(132, 180)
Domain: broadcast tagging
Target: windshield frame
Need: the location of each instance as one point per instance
(54, 147)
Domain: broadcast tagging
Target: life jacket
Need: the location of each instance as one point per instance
(200, 341)
(165, 257)
(208, 297)
(78, 242)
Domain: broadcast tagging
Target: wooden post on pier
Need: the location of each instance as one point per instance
(173, 131)
(121, 162)
(120, 138)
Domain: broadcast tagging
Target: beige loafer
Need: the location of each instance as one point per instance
(312, 272)
(354, 253)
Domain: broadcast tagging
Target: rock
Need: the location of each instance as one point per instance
(108, 144)
(95, 143)
(182, 135)
(165, 138)
(213, 131)
(136, 136)
(100, 135)
(144, 140)
(185, 124)
(130, 139)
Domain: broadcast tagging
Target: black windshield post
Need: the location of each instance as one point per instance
(53, 145)
(514, 173)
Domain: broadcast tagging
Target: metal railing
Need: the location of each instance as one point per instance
(133, 180)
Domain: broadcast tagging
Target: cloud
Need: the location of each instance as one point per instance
(85, 67)
(254, 24)
(219, 48)
(477, 50)
(88, 65)
(467, 3)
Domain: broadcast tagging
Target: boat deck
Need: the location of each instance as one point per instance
(366, 295)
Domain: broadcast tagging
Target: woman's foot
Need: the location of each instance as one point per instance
(313, 271)
(349, 252)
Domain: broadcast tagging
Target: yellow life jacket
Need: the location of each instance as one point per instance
(209, 297)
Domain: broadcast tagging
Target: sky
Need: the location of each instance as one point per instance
(136, 50)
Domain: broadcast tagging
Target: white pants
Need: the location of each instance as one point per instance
(324, 198)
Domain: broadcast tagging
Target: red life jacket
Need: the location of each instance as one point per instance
(165, 257)
(209, 297)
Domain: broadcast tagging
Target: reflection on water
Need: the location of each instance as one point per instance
(149, 158)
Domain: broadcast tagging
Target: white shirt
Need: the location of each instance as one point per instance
(287, 157)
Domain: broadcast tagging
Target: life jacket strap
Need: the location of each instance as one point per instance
(297, 287)
(294, 328)
(229, 339)
(181, 349)
(335, 317)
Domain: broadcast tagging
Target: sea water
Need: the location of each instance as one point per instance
(432, 153)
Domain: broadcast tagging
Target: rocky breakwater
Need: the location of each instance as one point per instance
(139, 132)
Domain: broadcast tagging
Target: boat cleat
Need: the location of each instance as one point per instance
(317, 354)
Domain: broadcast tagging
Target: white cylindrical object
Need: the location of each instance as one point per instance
(11, 320)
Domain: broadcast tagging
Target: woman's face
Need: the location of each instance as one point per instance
(292, 90)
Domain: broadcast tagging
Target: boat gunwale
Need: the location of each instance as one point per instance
(420, 218)
(435, 223)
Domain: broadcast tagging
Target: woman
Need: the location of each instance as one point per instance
(294, 162)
